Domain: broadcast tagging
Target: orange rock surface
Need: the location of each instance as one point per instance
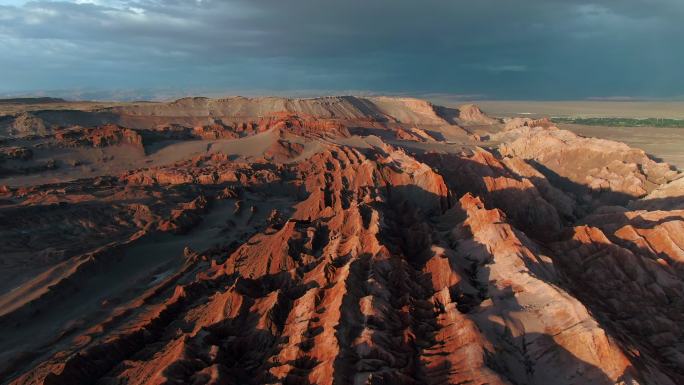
(338, 241)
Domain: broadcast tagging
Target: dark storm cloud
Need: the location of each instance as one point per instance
(499, 48)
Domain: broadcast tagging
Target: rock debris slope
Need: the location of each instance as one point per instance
(333, 241)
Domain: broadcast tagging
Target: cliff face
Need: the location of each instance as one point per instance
(322, 245)
(404, 110)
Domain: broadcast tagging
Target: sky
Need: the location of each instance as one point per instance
(483, 49)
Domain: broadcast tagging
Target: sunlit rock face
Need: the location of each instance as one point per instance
(333, 241)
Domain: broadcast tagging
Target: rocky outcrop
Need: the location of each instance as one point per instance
(511, 124)
(470, 114)
(108, 135)
(401, 110)
(594, 171)
(640, 298)
(544, 335)
(185, 217)
(407, 135)
(669, 196)
(499, 186)
(26, 124)
(325, 255)
(413, 134)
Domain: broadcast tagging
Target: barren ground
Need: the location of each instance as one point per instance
(339, 240)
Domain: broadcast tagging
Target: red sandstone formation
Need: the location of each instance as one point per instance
(286, 242)
(107, 135)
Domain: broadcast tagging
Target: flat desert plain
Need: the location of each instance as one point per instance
(600, 109)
